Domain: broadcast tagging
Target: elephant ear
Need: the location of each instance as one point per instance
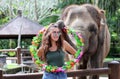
(101, 39)
(102, 28)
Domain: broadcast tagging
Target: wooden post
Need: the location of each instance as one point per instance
(115, 70)
(18, 55)
(1, 74)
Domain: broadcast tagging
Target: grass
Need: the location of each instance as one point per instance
(111, 59)
(12, 66)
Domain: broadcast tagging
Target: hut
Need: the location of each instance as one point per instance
(19, 28)
(20, 25)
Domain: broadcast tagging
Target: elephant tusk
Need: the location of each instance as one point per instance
(80, 36)
(102, 22)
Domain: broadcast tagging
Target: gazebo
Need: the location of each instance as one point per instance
(19, 28)
(20, 25)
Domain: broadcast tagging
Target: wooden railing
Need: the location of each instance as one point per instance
(17, 50)
(113, 72)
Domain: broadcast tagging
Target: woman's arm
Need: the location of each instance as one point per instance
(69, 48)
(40, 51)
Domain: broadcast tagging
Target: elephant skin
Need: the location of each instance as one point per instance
(90, 21)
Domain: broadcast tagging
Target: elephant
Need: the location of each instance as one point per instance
(90, 22)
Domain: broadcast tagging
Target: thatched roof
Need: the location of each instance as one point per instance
(12, 28)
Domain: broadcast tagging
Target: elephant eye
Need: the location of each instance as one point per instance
(92, 28)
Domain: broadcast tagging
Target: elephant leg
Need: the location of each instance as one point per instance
(83, 66)
(96, 61)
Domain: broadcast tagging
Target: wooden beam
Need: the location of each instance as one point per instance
(82, 72)
(85, 72)
(8, 50)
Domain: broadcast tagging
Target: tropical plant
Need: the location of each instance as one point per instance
(34, 9)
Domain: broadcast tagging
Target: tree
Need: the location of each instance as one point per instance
(34, 9)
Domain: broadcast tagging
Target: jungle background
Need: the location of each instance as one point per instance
(46, 11)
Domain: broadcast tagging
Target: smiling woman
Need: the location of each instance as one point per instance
(53, 48)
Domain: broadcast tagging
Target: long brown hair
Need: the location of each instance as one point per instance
(59, 42)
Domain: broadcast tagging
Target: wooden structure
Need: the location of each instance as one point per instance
(113, 72)
(18, 28)
(27, 27)
(18, 51)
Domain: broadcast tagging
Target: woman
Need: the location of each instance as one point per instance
(53, 49)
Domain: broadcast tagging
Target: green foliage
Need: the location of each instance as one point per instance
(7, 44)
(25, 43)
(3, 19)
(12, 43)
(63, 3)
(49, 19)
(114, 25)
(114, 36)
(115, 44)
(11, 54)
(4, 43)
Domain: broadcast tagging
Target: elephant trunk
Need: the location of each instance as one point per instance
(85, 41)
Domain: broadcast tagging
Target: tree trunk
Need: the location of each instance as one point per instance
(36, 13)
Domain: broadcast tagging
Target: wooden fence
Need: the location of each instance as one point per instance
(18, 51)
(113, 72)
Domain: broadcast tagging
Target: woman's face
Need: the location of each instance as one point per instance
(55, 34)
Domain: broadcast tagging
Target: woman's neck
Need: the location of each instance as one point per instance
(53, 47)
(54, 44)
